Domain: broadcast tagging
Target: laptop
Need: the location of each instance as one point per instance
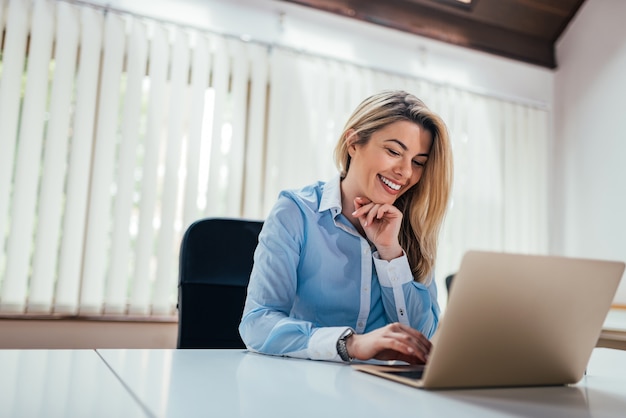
(515, 320)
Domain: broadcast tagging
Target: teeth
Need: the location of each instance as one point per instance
(389, 183)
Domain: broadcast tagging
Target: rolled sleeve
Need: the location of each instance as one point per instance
(323, 343)
(393, 273)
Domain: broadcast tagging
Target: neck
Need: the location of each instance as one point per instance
(347, 204)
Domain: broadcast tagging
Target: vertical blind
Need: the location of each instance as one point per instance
(117, 132)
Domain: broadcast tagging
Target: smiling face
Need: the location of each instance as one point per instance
(387, 165)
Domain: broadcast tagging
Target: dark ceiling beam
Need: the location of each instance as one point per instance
(436, 24)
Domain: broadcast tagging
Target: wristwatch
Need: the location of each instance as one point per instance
(341, 345)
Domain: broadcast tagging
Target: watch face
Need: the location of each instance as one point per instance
(346, 334)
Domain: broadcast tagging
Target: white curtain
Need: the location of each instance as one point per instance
(499, 201)
(117, 132)
(112, 144)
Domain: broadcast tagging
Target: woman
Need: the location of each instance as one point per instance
(345, 269)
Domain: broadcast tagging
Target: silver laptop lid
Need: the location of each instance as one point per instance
(521, 320)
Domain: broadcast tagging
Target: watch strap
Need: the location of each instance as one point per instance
(342, 349)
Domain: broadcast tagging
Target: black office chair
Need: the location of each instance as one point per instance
(449, 280)
(216, 258)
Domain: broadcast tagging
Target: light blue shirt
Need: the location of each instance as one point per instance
(314, 276)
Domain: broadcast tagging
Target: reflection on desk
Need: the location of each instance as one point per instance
(236, 383)
(61, 383)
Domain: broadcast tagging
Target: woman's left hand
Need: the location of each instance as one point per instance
(381, 223)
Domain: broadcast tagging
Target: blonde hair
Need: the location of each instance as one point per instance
(423, 206)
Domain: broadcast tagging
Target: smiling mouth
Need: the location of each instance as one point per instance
(389, 183)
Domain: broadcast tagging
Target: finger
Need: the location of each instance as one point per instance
(409, 352)
(357, 204)
(360, 202)
(363, 200)
(413, 332)
(425, 342)
(417, 347)
(364, 213)
(423, 349)
(398, 339)
(371, 214)
(361, 208)
(382, 211)
(418, 339)
(422, 341)
(389, 211)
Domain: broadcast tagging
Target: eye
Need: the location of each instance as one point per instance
(419, 163)
(393, 152)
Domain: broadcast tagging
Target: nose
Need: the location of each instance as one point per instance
(404, 168)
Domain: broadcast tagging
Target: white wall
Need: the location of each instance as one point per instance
(590, 136)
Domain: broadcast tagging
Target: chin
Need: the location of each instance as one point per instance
(388, 199)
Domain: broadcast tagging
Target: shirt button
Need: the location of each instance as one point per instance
(366, 289)
(360, 324)
(394, 278)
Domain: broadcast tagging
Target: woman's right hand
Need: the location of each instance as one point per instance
(381, 224)
(391, 342)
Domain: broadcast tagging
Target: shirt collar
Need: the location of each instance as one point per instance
(331, 196)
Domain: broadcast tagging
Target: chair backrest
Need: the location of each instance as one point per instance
(216, 258)
(449, 280)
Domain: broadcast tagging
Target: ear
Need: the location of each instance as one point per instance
(351, 138)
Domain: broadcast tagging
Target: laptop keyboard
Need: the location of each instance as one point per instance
(409, 374)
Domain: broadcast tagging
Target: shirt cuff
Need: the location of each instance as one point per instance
(393, 273)
(323, 343)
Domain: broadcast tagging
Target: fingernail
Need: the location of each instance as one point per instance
(354, 213)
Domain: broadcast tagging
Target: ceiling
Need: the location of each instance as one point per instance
(523, 30)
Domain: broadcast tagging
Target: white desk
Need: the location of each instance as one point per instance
(234, 383)
(61, 383)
